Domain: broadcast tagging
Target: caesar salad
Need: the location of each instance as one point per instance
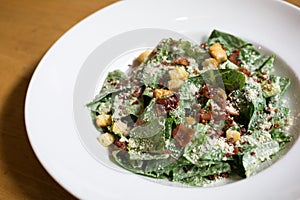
(194, 114)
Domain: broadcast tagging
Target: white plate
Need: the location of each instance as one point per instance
(58, 124)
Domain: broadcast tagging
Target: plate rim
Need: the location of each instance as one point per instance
(35, 77)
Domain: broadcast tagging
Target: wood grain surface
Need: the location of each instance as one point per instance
(28, 28)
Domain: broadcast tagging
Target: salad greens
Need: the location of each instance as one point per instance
(194, 113)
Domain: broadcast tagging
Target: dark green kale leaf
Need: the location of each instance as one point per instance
(233, 80)
(231, 42)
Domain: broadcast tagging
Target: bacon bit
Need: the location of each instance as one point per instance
(137, 93)
(229, 140)
(224, 47)
(244, 70)
(224, 174)
(252, 153)
(217, 94)
(267, 110)
(181, 61)
(243, 130)
(138, 123)
(169, 103)
(276, 125)
(205, 115)
(195, 71)
(182, 134)
(135, 102)
(228, 123)
(269, 81)
(212, 177)
(228, 154)
(206, 91)
(235, 150)
(249, 133)
(264, 77)
(165, 63)
(234, 57)
(269, 128)
(257, 80)
(203, 45)
(121, 145)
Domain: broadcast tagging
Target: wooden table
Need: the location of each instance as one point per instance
(28, 28)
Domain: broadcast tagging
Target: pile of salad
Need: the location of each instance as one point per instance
(192, 113)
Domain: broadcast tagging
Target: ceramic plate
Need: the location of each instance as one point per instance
(58, 123)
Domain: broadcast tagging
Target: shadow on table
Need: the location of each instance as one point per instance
(20, 163)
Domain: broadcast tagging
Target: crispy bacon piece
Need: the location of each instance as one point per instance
(235, 150)
(137, 93)
(206, 91)
(169, 103)
(138, 123)
(205, 115)
(244, 70)
(203, 45)
(181, 61)
(217, 94)
(165, 63)
(243, 130)
(213, 177)
(182, 134)
(224, 174)
(234, 57)
(121, 145)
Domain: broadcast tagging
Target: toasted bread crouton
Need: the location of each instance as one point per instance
(216, 51)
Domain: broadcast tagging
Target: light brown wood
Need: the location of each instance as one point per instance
(295, 2)
(27, 30)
